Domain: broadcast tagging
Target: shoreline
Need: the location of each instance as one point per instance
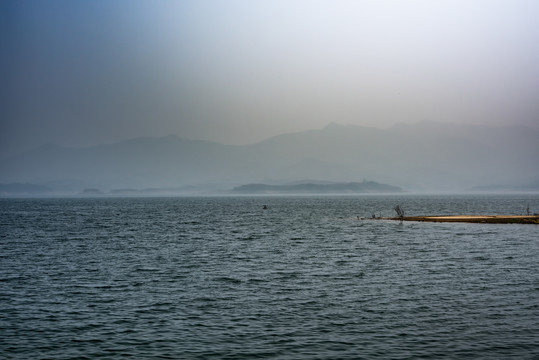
(484, 219)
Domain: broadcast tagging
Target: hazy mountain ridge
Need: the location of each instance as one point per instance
(142, 162)
(318, 188)
(427, 156)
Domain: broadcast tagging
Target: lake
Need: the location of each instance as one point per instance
(224, 278)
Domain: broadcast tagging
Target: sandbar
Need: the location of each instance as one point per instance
(492, 219)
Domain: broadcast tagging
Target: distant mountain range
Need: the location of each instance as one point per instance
(314, 188)
(423, 156)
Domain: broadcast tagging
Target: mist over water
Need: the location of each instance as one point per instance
(220, 277)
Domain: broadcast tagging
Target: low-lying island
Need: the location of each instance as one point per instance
(493, 219)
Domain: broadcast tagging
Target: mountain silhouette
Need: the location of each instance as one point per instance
(423, 156)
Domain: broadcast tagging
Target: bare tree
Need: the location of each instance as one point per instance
(399, 211)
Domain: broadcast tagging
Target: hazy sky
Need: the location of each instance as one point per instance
(237, 71)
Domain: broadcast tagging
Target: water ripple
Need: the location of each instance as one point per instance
(221, 278)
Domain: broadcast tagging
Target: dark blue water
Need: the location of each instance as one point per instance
(222, 278)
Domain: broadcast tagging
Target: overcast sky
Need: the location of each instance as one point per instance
(81, 73)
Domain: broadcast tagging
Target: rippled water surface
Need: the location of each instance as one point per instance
(222, 278)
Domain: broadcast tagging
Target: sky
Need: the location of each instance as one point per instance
(81, 73)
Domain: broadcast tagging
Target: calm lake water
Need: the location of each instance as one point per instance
(222, 278)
